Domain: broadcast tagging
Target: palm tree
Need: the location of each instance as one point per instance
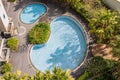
(103, 26)
(58, 74)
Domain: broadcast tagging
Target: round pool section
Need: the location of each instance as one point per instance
(65, 48)
(32, 12)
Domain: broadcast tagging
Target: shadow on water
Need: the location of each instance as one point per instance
(37, 47)
(67, 58)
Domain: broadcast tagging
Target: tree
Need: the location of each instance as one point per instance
(99, 69)
(6, 68)
(103, 26)
(57, 74)
(115, 43)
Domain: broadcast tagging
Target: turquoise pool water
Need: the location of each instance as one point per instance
(65, 48)
(32, 12)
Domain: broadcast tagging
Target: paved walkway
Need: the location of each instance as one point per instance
(20, 59)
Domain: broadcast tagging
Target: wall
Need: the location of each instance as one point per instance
(113, 4)
(2, 28)
(4, 18)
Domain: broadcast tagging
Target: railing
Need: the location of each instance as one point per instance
(113, 4)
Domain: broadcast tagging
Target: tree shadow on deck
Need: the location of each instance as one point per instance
(20, 4)
(54, 11)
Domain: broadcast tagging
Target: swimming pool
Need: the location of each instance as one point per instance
(32, 12)
(65, 48)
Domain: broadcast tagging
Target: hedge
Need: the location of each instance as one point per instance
(39, 34)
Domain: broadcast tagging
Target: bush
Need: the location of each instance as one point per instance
(80, 8)
(12, 43)
(84, 76)
(11, 0)
(101, 67)
(6, 68)
(115, 44)
(39, 34)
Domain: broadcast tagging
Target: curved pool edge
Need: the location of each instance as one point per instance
(30, 62)
(84, 32)
(19, 19)
(87, 42)
(29, 50)
(87, 36)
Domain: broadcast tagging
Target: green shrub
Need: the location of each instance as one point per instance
(11, 0)
(12, 43)
(6, 68)
(103, 23)
(84, 76)
(57, 74)
(39, 34)
(80, 8)
(115, 44)
(99, 66)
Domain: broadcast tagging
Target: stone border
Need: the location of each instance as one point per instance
(24, 5)
(29, 60)
(29, 50)
(85, 34)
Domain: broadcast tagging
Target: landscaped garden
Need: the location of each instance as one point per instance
(104, 27)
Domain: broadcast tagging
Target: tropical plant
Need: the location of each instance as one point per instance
(88, 8)
(39, 34)
(80, 8)
(13, 43)
(116, 70)
(99, 69)
(102, 22)
(57, 74)
(61, 75)
(6, 67)
(84, 76)
(115, 43)
(103, 26)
